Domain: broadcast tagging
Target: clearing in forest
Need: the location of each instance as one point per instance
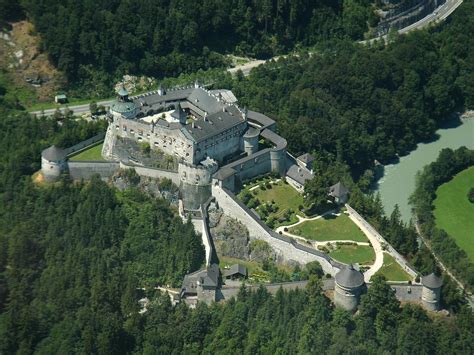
(454, 213)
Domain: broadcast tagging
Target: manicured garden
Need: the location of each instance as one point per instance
(350, 254)
(276, 202)
(93, 153)
(454, 212)
(392, 270)
(328, 228)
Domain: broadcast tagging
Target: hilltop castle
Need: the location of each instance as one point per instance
(212, 138)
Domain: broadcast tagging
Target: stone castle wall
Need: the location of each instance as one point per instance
(171, 141)
(79, 170)
(286, 249)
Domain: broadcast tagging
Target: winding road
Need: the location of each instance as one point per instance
(439, 14)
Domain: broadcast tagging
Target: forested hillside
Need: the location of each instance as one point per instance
(165, 38)
(73, 255)
(360, 104)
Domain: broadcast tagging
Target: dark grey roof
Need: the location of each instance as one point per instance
(53, 153)
(214, 124)
(236, 269)
(338, 190)
(349, 277)
(432, 281)
(179, 113)
(260, 118)
(208, 277)
(299, 174)
(306, 158)
(205, 101)
(224, 173)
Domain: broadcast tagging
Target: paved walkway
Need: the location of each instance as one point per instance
(376, 245)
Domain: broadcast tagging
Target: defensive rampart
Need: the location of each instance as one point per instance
(85, 144)
(79, 170)
(286, 248)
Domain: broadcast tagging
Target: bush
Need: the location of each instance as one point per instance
(470, 195)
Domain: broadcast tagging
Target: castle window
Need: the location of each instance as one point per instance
(155, 144)
(132, 131)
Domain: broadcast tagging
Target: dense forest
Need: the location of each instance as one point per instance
(104, 39)
(360, 104)
(73, 255)
(448, 164)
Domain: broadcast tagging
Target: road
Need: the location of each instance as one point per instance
(439, 14)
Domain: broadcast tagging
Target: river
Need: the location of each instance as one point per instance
(398, 181)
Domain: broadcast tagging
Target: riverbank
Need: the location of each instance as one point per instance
(398, 180)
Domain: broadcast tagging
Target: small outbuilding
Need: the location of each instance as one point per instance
(236, 271)
(306, 161)
(60, 99)
(339, 192)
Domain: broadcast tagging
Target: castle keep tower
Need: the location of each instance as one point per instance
(123, 107)
(348, 287)
(53, 163)
(431, 292)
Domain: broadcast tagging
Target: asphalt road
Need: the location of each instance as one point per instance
(440, 14)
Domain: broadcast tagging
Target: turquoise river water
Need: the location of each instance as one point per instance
(398, 181)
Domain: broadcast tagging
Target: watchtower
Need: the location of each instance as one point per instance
(348, 287)
(431, 292)
(53, 163)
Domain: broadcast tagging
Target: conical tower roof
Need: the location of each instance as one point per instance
(349, 277)
(432, 281)
(53, 153)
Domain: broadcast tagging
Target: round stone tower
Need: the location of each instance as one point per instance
(348, 287)
(195, 182)
(123, 107)
(53, 163)
(431, 292)
(251, 141)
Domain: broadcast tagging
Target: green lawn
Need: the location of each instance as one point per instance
(392, 270)
(454, 213)
(89, 154)
(350, 254)
(330, 228)
(282, 198)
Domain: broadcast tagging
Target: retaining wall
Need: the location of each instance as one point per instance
(153, 172)
(286, 248)
(86, 169)
(85, 144)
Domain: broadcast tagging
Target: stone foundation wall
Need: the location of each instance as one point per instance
(86, 169)
(286, 249)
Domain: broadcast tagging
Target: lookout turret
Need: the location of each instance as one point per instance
(431, 292)
(123, 107)
(348, 287)
(53, 163)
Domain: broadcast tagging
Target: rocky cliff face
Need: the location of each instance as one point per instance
(397, 14)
